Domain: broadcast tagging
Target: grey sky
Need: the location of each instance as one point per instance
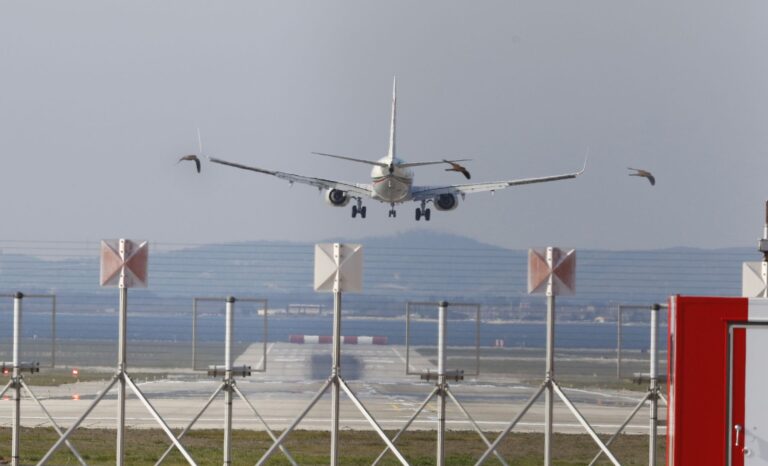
(99, 98)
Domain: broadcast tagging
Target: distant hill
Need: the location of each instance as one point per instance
(414, 265)
(419, 239)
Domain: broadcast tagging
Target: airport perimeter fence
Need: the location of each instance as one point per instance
(495, 331)
(160, 329)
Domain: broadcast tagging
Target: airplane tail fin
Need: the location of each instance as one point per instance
(391, 153)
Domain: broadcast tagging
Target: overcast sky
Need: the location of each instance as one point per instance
(99, 98)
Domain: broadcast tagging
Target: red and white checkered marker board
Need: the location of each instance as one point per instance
(124, 263)
(551, 271)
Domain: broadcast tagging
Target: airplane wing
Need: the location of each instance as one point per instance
(356, 190)
(426, 192)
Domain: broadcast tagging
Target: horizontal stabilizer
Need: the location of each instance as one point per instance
(352, 159)
(438, 162)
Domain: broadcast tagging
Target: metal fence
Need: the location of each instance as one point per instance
(602, 333)
(282, 273)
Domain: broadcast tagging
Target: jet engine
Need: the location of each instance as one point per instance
(446, 202)
(336, 197)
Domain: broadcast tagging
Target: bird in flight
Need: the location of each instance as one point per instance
(455, 167)
(193, 158)
(644, 174)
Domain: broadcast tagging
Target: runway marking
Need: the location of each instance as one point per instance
(269, 349)
(602, 394)
(397, 353)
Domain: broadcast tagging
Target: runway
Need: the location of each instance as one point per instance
(295, 373)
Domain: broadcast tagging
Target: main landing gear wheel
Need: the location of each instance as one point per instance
(423, 212)
(358, 210)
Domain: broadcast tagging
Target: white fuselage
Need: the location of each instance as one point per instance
(391, 187)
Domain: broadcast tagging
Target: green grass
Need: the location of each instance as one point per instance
(144, 447)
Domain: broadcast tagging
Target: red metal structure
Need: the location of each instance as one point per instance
(718, 386)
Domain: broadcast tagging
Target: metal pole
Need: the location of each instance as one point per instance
(550, 364)
(765, 227)
(621, 427)
(265, 457)
(53, 423)
(121, 366)
(264, 423)
(477, 341)
(228, 381)
(441, 324)
(408, 338)
(53, 332)
(189, 426)
(266, 334)
(194, 333)
(618, 343)
(372, 422)
(584, 423)
(654, 388)
(16, 372)
(474, 425)
(497, 442)
(159, 420)
(407, 424)
(5, 389)
(550, 374)
(335, 373)
(73, 427)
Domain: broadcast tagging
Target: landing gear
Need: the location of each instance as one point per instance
(392, 211)
(423, 211)
(358, 209)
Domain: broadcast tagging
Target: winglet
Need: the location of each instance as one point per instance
(586, 158)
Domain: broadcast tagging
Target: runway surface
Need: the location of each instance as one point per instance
(295, 374)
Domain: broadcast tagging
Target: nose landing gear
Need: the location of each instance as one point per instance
(392, 211)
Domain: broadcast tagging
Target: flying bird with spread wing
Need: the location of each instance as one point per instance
(455, 167)
(193, 158)
(644, 174)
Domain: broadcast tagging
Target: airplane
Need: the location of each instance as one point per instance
(392, 181)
